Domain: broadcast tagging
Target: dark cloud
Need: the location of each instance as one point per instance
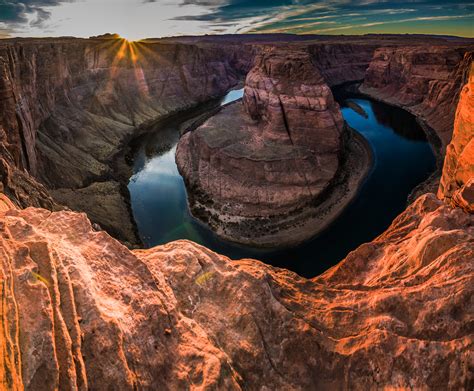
(14, 12)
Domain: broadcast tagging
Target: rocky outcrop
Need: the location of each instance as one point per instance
(457, 182)
(263, 163)
(424, 79)
(292, 103)
(81, 310)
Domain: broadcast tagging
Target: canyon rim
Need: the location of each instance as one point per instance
(261, 143)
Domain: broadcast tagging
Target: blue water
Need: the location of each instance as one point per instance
(402, 159)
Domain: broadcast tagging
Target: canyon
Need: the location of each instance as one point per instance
(278, 168)
(82, 311)
(96, 95)
(254, 169)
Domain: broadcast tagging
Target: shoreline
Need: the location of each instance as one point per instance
(305, 223)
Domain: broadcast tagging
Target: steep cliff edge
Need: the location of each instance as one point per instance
(258, 170)
(457, 181)
(81, 310)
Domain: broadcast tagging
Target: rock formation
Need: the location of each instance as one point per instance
(68, 107)
(261, 163)
(457, 182)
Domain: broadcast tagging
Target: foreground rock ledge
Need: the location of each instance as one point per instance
(82, 311)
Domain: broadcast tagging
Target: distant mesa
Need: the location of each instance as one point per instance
(106, 36)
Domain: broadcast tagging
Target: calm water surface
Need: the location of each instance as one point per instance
(403, 159)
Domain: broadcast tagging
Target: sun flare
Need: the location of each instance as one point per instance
(130, 37)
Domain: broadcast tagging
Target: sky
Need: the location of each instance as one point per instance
(137, 19)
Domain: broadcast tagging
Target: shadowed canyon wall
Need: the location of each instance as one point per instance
(68, 105)
(425, 80)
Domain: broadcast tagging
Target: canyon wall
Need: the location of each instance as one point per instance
(68, 105)
(343, 62)
(73, 101)
(423, 79)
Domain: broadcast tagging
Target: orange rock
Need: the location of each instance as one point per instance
(81, 310)
(456, 185)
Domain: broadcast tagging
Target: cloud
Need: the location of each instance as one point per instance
(16, 15)
(170, 17)
(417, 19)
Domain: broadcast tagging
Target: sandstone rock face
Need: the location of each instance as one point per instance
(81, 311)
(457, 182)
(262, 160)
(425, 80)
(291, 102)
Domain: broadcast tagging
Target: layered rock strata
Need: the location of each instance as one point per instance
(67, 106)
(425, 80)
(255, 169)
(341, 62)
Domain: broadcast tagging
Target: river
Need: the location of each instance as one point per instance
(402, 159)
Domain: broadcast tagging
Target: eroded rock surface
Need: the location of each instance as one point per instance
(257, 162)
(81, 310)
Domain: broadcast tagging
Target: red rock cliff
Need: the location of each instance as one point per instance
(82, 311)
(457, 182)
